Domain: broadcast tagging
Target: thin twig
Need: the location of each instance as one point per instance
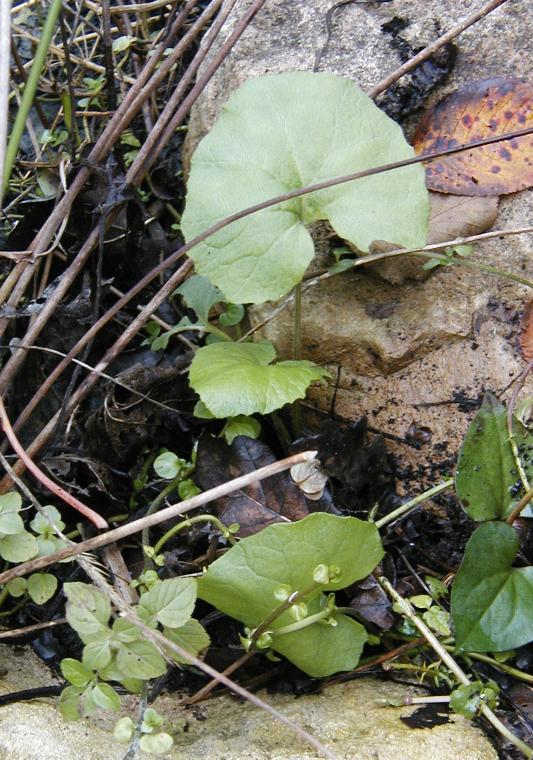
(408, 612)
(56, 489)
(179, 275)
(165, 514)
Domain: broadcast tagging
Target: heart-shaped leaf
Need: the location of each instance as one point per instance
(245, 584)
(492, 602)
(272, 138)
(486, 480)
(238, 378)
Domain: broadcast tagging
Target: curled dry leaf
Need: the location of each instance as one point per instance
(451, 217)
(272, 500)
(526, 338)
(477, 110)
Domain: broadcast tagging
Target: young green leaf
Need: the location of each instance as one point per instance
(170, 602)
(218, 369)
(192, 636)
(167, 465)
(17, 587)
(241, 425)
(41, 587)
(156, 744)
(269, 139)
(88, 611)
(492, 602)
(69, 703)
(18, 547)
(123, 730)
(200, 296)
(106, 697)
(76, 673)
(140, 659)
(487, 480)
(97, 654)
(151, 720)
(10, 520)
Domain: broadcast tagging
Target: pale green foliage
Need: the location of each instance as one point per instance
(238, 378)
(246, 582)
(16, 544)
(272, 137)
(118, 652)
(241, 425)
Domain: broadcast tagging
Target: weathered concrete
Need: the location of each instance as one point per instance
(347, 718)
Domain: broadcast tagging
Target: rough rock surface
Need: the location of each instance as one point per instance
(408, 353)
(350, 721)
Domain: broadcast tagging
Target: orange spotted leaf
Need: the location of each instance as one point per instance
(526, 338)
(476, 111)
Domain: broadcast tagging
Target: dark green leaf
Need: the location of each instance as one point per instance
(492, 602)
(487, 480)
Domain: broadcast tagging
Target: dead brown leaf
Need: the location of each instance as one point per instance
(257, 506)
(477, 110)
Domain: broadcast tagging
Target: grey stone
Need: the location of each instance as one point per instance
(349, 719)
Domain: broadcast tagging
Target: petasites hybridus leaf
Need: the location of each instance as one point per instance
(238, 378)
(487, 480)
(272, 138)
(492, 602)
(245, 583)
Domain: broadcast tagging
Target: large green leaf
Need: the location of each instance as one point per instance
(238, 378)
(246, 581)
(492, 602)
(320, 650)
(487, 481)
(282, 132)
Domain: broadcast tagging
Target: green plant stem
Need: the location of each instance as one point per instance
(187, 524)
(524, 501)
(154, 506)
(408, 612)
(30, 89)
(4, 593)
(5, 54)
(307, 621)
(526, 677)
(14, 609)
(414, 503)
(488, 268)
(294, 598)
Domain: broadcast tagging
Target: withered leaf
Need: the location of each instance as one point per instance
(526, 337)
(475, 111)
(450, 217)
(260, 504)
(372, 603)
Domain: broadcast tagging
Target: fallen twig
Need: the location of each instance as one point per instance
(165, 514)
